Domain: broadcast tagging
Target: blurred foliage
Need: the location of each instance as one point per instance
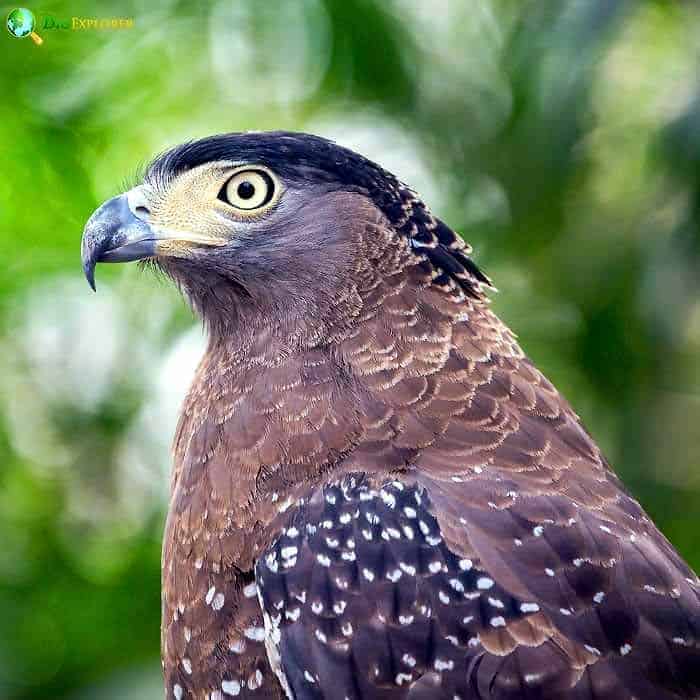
(562, 138)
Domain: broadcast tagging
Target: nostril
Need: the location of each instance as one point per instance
(138, 204)
(142, 212)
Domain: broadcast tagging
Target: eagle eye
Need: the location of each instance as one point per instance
(248, 190)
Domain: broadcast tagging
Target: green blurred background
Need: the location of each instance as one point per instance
(561, 138)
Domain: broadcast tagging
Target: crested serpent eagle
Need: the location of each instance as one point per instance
(375, 494)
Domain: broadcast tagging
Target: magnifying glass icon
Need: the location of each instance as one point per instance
(20, 23)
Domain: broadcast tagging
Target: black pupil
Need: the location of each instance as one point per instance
(246, 189)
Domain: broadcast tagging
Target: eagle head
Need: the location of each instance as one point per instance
(278, 221)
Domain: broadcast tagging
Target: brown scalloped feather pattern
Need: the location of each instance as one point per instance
(420, 390)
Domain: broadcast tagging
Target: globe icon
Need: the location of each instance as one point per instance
(20, 22)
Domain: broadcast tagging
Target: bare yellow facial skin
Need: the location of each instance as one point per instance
(188, 211)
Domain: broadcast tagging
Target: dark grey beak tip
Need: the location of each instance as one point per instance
(89, 269)
(90, 250)
(88, 255)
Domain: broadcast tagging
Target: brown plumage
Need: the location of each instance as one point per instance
(375, 494)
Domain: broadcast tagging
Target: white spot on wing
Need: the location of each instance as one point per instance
(251, 590)
(257, 634)
(255, 679)
(231, 687)
(394, 575)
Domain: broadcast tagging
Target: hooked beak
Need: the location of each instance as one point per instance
(115, 234)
